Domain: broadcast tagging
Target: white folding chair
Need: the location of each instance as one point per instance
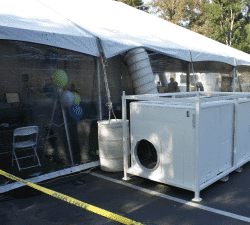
(29, 134)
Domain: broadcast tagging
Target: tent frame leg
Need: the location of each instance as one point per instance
(125, 138)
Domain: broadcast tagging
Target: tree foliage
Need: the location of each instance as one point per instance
(171, 10)
(230, 20)
(226, 21)
(187, 13)
(133, 3)
(196, 17)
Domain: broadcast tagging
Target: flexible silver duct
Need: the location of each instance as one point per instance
(141, 71)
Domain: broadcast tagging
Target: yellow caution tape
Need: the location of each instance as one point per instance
(74, 201)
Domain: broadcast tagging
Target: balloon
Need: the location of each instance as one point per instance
(50, 90)
(67, 98)
(77, 98)
(76, 112)
(60, 78)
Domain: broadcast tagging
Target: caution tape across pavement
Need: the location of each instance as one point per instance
(74, 201)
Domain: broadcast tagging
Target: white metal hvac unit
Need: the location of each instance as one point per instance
(242, 131)
(188, 142)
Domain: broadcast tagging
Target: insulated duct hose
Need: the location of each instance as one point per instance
(141, 71)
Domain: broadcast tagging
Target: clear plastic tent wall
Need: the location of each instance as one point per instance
(26, 69)
(207, 76)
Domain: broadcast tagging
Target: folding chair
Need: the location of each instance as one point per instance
(23, 138)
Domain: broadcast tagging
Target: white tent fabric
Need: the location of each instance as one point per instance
(31, 21)
(119, 26)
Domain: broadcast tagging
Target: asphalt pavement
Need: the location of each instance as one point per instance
(222, 203)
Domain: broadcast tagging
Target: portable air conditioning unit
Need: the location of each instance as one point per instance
(163, 140)
(188, 140)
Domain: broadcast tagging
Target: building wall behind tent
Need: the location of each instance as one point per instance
(26, 69)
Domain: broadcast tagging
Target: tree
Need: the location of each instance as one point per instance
(226, 21)
(135, 3)
(224, 15)
(229, 20)
(197, 18)
(186, 13)
(170, 10)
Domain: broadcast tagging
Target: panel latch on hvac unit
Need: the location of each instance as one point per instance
(193, 120)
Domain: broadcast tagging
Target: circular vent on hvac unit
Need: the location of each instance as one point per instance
(147, 154)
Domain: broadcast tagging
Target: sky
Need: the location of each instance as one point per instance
(146, 1)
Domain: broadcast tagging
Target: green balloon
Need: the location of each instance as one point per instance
(60, 78)
(77, 98)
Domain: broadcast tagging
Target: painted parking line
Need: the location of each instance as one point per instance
(192, 204)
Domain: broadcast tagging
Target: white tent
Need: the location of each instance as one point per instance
(121, 27)
(75, 25)
(72, 24)
(31, 21)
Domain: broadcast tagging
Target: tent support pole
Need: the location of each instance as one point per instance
(196, 118)
(234, 75)
(99, 88)
(125, 137)
(191, 67)
(188, 78)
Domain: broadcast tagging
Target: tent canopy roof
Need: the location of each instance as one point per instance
(31, 21)
(74, 25)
